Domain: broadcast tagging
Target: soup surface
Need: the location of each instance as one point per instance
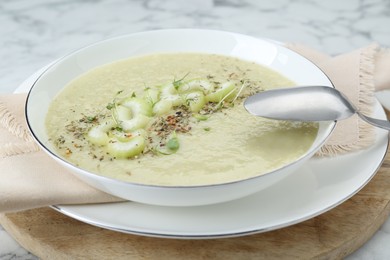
(173, 119)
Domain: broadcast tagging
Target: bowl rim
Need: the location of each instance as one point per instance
(115, 181)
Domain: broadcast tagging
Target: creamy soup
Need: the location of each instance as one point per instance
(174, 119)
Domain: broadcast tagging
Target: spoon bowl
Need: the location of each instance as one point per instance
(308, 103)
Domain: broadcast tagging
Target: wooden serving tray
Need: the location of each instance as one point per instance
(332, 235)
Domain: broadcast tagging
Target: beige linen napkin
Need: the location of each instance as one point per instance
(358, 75)
(30, 179)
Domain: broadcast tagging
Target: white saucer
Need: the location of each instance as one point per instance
(384, 98)
(320, 185)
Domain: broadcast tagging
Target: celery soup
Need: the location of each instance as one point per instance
(174, 120)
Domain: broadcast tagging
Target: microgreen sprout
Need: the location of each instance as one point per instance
(177, 83)
(243, 86)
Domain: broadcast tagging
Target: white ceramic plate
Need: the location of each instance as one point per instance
(384, 98)
(320, 185)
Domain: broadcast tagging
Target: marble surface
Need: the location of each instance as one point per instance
(35, 32)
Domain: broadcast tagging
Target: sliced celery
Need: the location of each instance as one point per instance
(168, 89)
(138, 106)
(162, 107)
(137, 122)
(140, 132)
(128, 149)
(98, 134)
(202, 85)
(152, 95)
(225, 91)
(170, 93)
(176, 100)
(195, 101)
(121, 113)
(124, 135)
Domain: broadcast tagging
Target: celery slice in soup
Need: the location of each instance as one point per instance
(138, 106)
(202, 85)
(196, 101)
(176, 100)
(169, 92)
(128, 149)
(121, 113)
(225, 91)
(162, 107)
(137, 122)
(126, 136)
(152, 95)
(140, 111)
(98, 134)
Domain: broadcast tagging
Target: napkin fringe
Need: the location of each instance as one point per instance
(12, 149)
(365, 105)
(9, 122)
(366, 94)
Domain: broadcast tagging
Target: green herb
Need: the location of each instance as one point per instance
(173, 144)
(220, 103)
(201, 117)
(170, 147)
(177, 83)
(110, 105)
(91, 118)
(244, 84)
(207, 129)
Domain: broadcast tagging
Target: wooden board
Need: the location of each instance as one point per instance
(332, 235)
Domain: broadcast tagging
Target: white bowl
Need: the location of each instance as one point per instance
(261, 51)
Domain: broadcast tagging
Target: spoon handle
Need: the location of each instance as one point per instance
(376, 122)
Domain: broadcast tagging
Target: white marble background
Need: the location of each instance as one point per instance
(35, 32)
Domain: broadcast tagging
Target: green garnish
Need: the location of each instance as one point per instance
(110, 105)
(243, 86)
(200, 117)
(91, 118)
(170, 147)
(173, 143)
(136, 123)
(177, 83)
(220, 103)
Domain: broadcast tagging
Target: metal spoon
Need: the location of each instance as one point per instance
(311, 103)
